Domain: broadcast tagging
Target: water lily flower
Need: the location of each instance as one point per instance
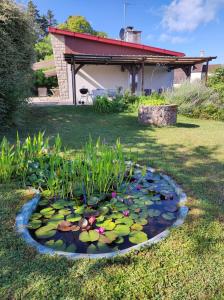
(113, 194)
(100, 230)
(92, 219)
(126, 213)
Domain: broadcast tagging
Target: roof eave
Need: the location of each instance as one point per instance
(89, 37)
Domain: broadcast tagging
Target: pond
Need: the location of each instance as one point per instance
(144, 207)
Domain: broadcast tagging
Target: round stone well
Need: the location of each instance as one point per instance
(160, 115)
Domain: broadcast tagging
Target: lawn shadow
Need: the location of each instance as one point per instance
(186, 125)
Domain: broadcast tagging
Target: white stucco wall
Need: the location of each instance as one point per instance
(196, 76)
(95, 77)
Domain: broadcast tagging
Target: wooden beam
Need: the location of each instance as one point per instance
(74, 96)
(206, 73)
(143, 76)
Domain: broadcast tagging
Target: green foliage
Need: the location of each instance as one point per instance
(16, 48)
(80, 24)
(197, 100)
(6, 161)
(103, 104)
(99, 169)
(208, 112)
(216, 82)
(43, 49)
(40, 80)
(154, 100)
(40, 23)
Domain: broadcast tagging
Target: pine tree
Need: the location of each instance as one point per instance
(50, 18)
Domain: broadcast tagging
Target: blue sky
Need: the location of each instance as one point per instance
(182, 25)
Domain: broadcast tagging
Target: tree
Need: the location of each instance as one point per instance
(80, 24)
(44, 49)
(50, 18)
(34, 16)
(17, 55)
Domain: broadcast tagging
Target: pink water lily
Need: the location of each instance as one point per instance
(126, 213)
(113, 194)
(92, 220)
(138, 187)
(100, 230)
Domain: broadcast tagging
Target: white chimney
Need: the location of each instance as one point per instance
(132, 36)
(202, 53)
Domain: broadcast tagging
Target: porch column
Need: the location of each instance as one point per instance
(58, 44)
(143, 76)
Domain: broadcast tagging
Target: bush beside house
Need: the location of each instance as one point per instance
(16, 48)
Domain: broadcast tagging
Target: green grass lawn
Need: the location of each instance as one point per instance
(189, 264)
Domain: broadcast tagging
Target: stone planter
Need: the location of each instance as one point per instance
(42, 92)
(160, 115)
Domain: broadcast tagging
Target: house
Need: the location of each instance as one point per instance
(88, 65)
(198, 72)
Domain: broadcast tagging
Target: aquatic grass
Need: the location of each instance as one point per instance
(6, 161)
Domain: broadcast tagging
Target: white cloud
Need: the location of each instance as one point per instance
(187, 15)
(172, 39)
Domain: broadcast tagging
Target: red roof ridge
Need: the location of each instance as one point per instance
(54, 30)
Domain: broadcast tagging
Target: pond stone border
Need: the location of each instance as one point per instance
(22, 221)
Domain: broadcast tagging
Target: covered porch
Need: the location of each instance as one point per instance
(135, 65)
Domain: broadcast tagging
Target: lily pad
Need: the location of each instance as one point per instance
(111, 235)
(89, 236)
(56, 245)
(93, 200)
(117, 215)
(125, 220)
(64, 212)
(64, 226)
(104, 210)
(92, 249)
(47, 210)
(107, 225)
(168, 216)
(43, 202)
(137, 237)
(36, 216)
(58, 205)
(71, 248)
(73, 218)
(153, 213)
(45, 232)
(57, 217)
(34, 224)
(141, 221)
(122, 230)
(136, 227)
(100, 219)
(119, 240)
(103, 248)
(156, 198)
(79, 209)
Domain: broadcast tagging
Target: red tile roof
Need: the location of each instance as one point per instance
(89, 37)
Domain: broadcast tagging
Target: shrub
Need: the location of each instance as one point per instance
(103, 104)
(153, 99)
(197, 100)
(208, 112)
(216, 82)
(16, 48)
(40, 80)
